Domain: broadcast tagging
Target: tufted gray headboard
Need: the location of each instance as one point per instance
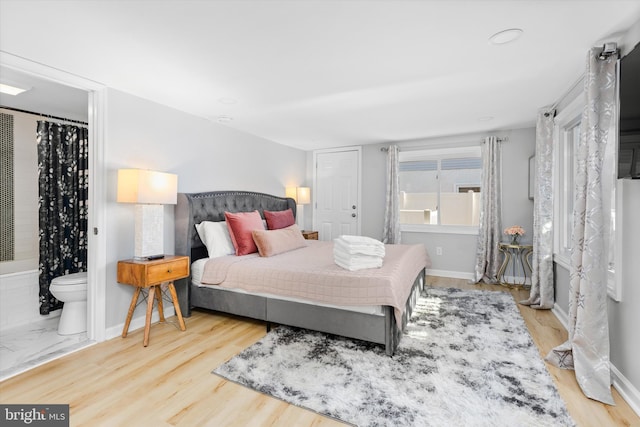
(193, 208)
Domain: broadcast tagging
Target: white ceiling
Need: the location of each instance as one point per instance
(317, 74)
(44, 96)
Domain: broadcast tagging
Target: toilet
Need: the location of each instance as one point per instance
(71, 289)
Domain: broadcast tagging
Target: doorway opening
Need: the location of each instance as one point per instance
(96, 286)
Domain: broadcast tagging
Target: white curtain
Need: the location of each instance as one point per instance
(490, 233)
(391, 232)
(542, 288)
(587, 350)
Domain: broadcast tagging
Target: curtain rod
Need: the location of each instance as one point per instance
(503, 139)
(566, 93)
(49, 116)
(608, 49)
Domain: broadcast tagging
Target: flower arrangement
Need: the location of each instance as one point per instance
(515, 231)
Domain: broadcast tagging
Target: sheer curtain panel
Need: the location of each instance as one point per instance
(391, 232)
(542, 287)
(490, 232)
(587, 349)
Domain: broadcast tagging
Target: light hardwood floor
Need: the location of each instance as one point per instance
(169, 383)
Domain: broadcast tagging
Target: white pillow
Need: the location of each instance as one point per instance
(215, 236)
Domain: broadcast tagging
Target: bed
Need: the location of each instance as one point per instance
(376, 323)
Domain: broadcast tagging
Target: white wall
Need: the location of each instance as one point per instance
(458, 250)
(205, 156)
(624, 316)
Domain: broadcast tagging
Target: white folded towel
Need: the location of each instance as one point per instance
(360, 239)
(358, 252)
(360, 245)
(353, 263)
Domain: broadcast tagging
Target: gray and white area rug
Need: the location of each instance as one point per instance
(467, 359)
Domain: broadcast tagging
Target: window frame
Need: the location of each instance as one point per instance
(426, 153)
(563, 185)
(568, 119)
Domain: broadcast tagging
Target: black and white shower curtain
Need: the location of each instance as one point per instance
(63, 169)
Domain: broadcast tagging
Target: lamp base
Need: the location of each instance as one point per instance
(149, 231)
(300, 216)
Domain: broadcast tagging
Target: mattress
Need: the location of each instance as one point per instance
(310, 274)
(197, 270)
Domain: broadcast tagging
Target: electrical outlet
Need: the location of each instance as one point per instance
(438, 250)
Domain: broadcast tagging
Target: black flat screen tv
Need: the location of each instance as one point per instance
(629, 124)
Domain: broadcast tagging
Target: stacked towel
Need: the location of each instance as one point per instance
(358, 252)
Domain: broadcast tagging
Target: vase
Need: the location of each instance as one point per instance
(514, 239)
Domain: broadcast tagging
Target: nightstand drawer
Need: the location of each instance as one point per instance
(143, 273)
(168, 271)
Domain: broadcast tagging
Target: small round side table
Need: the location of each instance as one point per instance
(517, 256)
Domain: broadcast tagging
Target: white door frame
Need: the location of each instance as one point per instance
(356, 148)
(97, 242)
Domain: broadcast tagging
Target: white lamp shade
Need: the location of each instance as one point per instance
(304, 195)
(290, 192)
(147, 187)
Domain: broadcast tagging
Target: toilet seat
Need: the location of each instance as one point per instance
(71, 279)
(64, 287)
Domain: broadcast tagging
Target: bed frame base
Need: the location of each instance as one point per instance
(375, 328)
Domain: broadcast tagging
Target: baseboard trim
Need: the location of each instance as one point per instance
(451, 274)
(627, 391)
(561, 315)
(138, 322)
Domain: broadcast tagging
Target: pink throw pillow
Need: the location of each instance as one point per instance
(279, 219)
(274, 242)
(241, 224)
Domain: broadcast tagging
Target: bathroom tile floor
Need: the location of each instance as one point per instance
(25, 347)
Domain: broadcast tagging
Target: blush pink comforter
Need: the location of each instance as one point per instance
(310, 273)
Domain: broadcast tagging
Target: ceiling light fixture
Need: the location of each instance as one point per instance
(224, 119)
(227, 101)
(12, 89)
(505, 36)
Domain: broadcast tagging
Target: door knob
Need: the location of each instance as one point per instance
(353, 207)
(353, 215)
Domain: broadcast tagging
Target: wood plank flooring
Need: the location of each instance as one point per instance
(169, 383)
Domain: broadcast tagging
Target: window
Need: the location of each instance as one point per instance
(569, 139)
(567, 136)
(440, 187)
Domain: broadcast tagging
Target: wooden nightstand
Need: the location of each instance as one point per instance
(310, 235)
(152, 274)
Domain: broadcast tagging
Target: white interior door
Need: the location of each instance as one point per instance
(337, 192)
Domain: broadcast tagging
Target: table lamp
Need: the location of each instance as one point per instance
(149, 190)
(302, 196)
